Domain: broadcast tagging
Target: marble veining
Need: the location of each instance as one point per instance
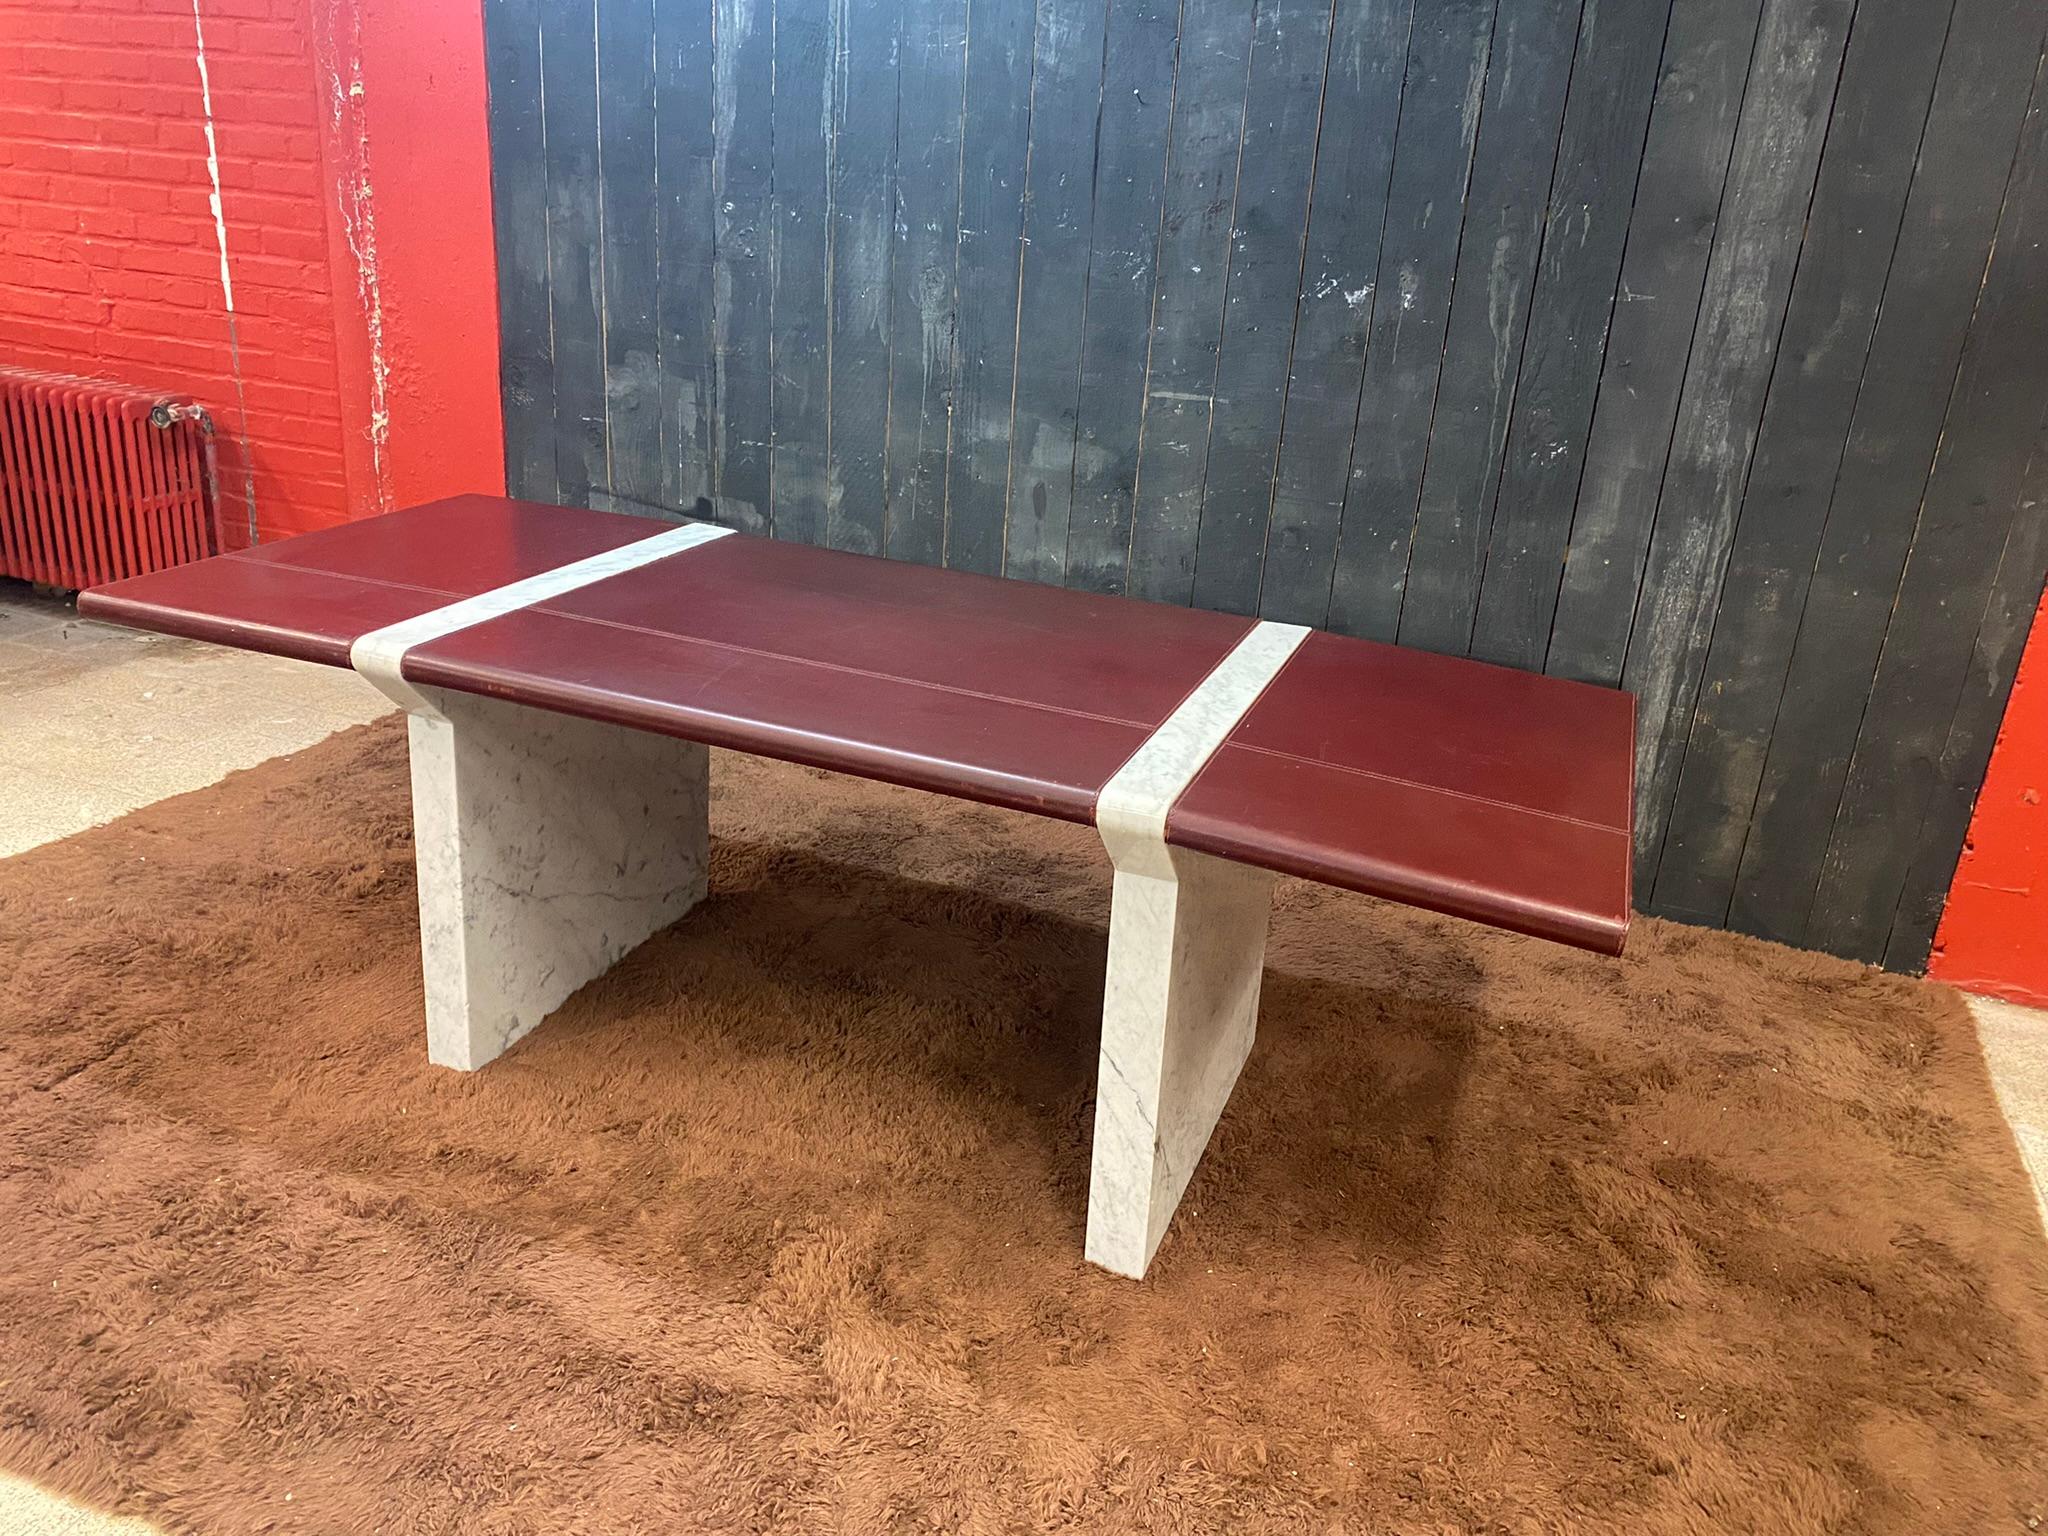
(547, 847)
(1187, 946)
(550, 845)
(380, 655)
(1180, 1003)
(1130, 813)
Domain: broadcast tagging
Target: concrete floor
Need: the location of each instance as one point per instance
(2015, 1042)
(96, 721)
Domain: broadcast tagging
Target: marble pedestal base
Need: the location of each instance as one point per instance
(1187, 944)
(547, 847)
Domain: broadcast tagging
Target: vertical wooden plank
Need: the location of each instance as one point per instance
(684, 271)
(1418, 264)
(1685, 164)
(1283, 107)
(743, 94)
(1742, 308)
(575, 247)
(1980, 99)
(1066, 110)
(996, 133)
(1140, 61)
(921, 277)
(1187, 303)
(632, 368)
(1973, 732)
(799, 323)
(1347, 213)
(519, 206)
(1599, 154)
(1964, 530)
(1963, 755)
(1519, 127)
(1880, 109)
(863, 206)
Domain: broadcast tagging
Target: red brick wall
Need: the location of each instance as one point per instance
(110, 261)
(357, 369)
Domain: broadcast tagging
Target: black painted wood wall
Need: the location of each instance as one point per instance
(1694, 346)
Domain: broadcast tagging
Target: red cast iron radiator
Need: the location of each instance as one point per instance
(100, 481)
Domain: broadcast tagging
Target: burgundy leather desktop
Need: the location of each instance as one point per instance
(311, 597)
(1449, 784)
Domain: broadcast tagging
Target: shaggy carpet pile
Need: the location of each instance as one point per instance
(778, 1226)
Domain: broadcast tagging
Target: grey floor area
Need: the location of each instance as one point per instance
(96, 721)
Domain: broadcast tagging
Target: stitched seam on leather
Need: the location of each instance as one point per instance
(1434, 789)
(996, 698)
(544, 607)
(840, 666)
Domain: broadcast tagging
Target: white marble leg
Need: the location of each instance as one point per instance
(547, 846)
(1187, 941)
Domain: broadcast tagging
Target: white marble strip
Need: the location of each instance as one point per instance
(1130, 813)
(378, 654)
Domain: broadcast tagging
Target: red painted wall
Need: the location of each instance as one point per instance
(1994, 934)
(348, 350)
(408, 145)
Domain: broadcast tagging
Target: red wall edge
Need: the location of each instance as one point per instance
(407, 151)
(1994, 933)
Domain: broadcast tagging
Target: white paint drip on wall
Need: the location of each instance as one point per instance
(220, 223)
(341, 66)
(227, 286)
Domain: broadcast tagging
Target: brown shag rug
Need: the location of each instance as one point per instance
(778, 1227)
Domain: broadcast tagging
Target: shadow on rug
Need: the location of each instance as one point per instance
(778, 1226)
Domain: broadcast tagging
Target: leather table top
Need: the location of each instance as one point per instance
(1449, 784)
